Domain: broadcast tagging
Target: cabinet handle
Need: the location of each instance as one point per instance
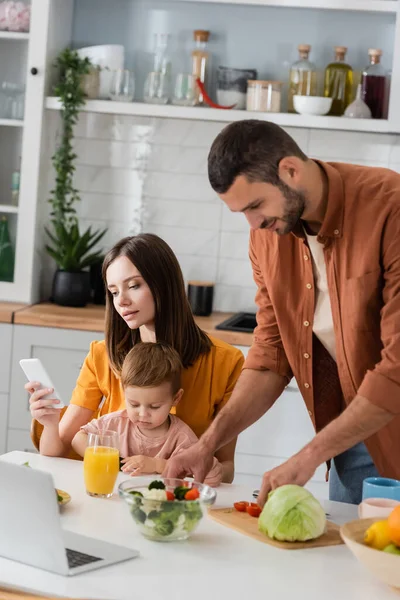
(34, 71)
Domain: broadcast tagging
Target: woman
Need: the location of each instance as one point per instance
(146, 301)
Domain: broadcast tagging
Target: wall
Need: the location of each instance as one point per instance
(126, 161)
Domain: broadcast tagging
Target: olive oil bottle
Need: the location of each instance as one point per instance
(339, 82)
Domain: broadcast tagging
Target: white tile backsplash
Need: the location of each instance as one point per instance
(125, 161)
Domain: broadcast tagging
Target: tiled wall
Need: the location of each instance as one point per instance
(127, 163)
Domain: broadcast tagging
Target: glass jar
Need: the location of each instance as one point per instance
(200, 61)
(339, 82)
(264, 96)
(374, 84)
(303, 77)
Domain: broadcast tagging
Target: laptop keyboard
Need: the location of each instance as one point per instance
(78, 559)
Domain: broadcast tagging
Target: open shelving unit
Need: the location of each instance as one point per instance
(385, 6)
(13, 35)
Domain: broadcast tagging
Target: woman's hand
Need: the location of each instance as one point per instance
(137, 465)
(42, 409)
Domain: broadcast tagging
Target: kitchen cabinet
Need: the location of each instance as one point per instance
(279, 434)
(62, 352)
(5, 363)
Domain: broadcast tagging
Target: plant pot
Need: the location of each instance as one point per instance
(98, 291)
(71, 288)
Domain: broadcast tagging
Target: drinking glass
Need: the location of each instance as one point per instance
(185, 90)
(122, 86)
(101, 463)
(157, 88)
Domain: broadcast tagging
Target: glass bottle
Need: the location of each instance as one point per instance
(358, 109)
(157, 87)
(6, 252)
(302, 77)
(15, 181)
(374, 84)
(200, 60)
(339, 82)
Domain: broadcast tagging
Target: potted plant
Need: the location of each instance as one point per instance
(71, 249)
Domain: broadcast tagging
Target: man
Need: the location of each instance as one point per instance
(325, 252)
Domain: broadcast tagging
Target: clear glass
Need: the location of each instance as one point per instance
(157, 88)
(374, 85)
(101, 463)
(339, 85)
(122, 86)
(302, 79)
(166, 520)
(185, 90)
(12, 101)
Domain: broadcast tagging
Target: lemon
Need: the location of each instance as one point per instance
(377, 536)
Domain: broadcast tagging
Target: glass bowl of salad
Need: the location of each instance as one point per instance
(164, 509)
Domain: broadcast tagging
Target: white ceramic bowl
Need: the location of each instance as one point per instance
(374, 508)
(109, 57)
(312, 105)
(384, 566)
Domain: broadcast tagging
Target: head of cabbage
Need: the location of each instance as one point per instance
(292, 514)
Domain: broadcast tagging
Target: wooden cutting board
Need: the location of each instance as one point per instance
(244, 523)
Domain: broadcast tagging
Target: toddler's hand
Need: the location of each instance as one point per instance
(138, 465)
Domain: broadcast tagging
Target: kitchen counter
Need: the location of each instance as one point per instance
(8, 309)
(91, 318)
(216, 562)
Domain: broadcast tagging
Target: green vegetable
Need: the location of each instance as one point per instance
(157, 485)
(59, 498)
(135, 493)
(164, 527)
(180, 491)
(25, 464)
(292, 514)
(392, 549)
(138, 514)
(193, 514)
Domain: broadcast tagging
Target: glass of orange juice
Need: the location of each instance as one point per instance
(101, 463)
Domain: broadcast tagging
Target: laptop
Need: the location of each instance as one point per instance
(31, 532)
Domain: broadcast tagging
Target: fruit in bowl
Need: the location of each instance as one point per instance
(166, 509)
(376, 544)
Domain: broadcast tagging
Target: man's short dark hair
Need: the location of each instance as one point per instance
(252, 148)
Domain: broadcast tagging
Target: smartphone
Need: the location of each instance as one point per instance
(35, 371)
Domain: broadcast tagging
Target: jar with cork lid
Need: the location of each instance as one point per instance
(373, 83)
(264, 96)
(200, 61)
(302, 77)
(339, 82)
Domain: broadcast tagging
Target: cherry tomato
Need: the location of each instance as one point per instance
(241, 506)
(192, 494)
(253, 509)
(170, 496)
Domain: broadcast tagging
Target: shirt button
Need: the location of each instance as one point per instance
(305, 257)
(306, 355)
(306, 385)
(310, 413)
(309, 286)
(336, 232)
(306, 323)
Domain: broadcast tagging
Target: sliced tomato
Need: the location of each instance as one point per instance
(253, 509)
(170, 496)
(192, 494)
(241, 506)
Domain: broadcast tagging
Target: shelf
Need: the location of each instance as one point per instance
(210, 114)
(7, 208)
(13, 35)
(11, 123)
(385, 6)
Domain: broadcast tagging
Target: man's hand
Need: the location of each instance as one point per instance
(196, 460)
(297, 470)
(137, 465)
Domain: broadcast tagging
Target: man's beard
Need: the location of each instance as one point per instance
(294, 208)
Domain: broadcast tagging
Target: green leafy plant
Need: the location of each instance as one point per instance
(70, 248)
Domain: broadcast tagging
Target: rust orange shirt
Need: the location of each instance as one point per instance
(360, 235)
(208, 385)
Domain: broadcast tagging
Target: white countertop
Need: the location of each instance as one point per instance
(216, 563)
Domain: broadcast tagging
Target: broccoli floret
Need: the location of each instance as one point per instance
(157, 485)
(180, 491)
(138, 514)
(193, 514)
(135, 493)
(164, 527)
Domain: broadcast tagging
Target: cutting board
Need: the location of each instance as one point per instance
(244, 523)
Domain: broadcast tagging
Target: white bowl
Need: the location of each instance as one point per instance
(312, 105)
(109, 57)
